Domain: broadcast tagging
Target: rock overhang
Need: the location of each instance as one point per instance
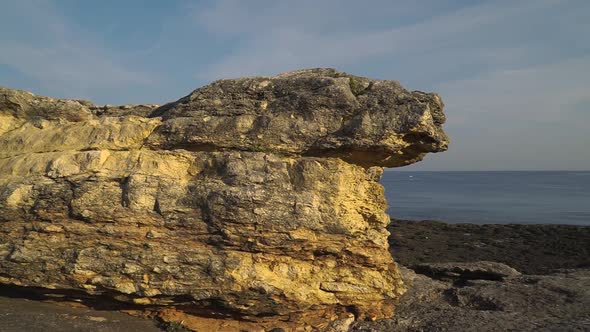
(312, 112)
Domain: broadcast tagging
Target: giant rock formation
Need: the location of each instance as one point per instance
(252, 200)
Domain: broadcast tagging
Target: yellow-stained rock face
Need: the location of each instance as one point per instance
(8, 123)
(106, 133)
(164, 212)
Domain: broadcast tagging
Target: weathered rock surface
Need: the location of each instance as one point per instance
(555, 302)
(459, 271)
(249, 198)
(319, 112)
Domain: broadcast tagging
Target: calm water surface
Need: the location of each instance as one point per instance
(490, 197)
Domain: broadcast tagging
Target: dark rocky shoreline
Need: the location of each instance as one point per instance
(466, 277)
(552, 294)
(531, 249)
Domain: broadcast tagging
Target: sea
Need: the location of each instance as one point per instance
(523, 197)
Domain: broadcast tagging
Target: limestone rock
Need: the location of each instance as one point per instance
(467, 271)
(317, 112)
(248, 199)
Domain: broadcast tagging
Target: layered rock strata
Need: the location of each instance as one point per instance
(249, 198)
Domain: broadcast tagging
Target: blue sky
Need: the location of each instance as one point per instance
(515, 75)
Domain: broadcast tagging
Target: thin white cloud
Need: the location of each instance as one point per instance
(60, 55)
(522, 119)
(280, 37)
(542, 92)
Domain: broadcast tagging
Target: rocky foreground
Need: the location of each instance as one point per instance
(466, 277)
(252, 203)
(449, 288)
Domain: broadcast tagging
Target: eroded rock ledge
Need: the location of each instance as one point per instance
(250, 198)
